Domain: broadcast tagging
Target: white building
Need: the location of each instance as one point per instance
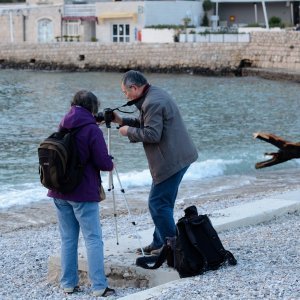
(122, 21)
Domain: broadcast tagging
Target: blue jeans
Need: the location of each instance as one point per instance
(73, 216)
(161, 206)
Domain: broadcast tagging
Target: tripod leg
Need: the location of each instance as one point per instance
(129, 213)
(111, 182)
(112, 189)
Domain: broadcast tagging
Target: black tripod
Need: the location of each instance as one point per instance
(111, 189)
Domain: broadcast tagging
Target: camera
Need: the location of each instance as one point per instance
(107, 116)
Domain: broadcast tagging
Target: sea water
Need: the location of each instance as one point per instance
(221, 114)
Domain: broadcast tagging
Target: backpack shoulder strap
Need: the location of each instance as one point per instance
(192, 239)
(145, 261)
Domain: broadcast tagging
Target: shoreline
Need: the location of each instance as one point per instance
(43, 213)
(240, 71)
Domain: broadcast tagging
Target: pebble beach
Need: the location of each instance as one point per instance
(268, 254)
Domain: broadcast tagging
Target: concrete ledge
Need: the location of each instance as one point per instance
(255, 212)
(120, 259)
(152, 293)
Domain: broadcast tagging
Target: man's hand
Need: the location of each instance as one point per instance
(123, 130)
(117, 119)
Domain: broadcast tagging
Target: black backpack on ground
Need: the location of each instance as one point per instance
(60, 167)
(195, 249)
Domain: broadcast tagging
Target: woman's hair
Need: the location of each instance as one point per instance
(87, 100)
(133, 77)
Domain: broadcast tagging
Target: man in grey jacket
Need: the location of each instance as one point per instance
(168, 147)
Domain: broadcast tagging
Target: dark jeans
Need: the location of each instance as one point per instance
(161, 206)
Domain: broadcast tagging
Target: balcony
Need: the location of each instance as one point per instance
(79, 10)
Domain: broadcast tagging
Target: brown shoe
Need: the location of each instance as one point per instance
(156, 251)
(147, 250)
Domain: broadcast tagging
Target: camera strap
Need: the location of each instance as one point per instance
(134, 101)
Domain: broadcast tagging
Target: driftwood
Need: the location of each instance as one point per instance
(287, 150)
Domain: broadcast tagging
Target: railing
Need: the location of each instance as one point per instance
(80, 10)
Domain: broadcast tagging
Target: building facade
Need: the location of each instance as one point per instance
(45, 21)
(37, 21)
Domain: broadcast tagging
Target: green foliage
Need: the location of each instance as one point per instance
(205, 21)
(275, 22)
(186, 21)
(169, 26)
(253, 25)
(165, 26)
(94, 39)
(207, 5)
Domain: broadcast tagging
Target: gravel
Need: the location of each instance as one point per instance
(268, 261)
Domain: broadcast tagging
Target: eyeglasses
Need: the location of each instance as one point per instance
(127, 89)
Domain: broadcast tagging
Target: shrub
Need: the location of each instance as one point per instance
(165, 26)
(275, 22)
(253, 25)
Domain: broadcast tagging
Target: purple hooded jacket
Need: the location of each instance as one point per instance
(92, 150)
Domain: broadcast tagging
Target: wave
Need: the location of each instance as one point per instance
(198, 170)
(22, 194)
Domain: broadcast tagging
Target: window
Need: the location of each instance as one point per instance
(121, 33)
(45, 31)
(71, 28)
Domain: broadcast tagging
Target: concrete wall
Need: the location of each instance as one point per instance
(265, 50)
(150, 35)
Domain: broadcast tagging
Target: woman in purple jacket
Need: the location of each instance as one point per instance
(79, 209)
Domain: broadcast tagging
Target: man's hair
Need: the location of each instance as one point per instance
(133, 77)
(87, 100)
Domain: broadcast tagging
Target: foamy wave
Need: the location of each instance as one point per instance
(198, 170)
(26, 193)
(21, 194)
(209, 168)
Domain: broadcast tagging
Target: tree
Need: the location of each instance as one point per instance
(207, 5)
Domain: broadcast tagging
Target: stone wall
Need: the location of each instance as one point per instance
(265, 50)
(274, 50)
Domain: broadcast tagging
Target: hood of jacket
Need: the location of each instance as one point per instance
(76, 117)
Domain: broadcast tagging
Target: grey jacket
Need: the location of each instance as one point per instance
(160, 128)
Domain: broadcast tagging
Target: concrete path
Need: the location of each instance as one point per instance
(120, 259)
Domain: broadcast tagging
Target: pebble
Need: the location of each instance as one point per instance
(268, 258)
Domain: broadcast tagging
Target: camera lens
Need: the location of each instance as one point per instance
(99, 117)
(108, 115)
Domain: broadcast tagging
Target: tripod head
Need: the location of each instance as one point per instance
(107, 116)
